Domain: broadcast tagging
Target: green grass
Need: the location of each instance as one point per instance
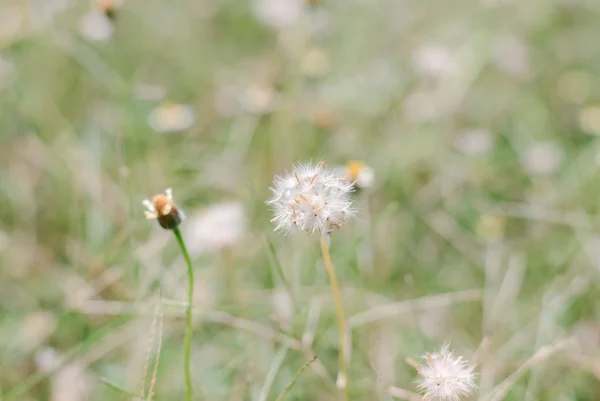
(81, 267)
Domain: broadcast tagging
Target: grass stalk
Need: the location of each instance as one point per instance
(342, 381)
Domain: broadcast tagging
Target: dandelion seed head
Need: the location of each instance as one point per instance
(446, 377)
(311, 199)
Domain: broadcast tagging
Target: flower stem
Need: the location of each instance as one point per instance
(188, 316)
(335, 289)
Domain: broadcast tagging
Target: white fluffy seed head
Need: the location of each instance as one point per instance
(446, 377)
(311, 199)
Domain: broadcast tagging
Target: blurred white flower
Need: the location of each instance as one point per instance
(171, 117)
(36, 328)
(543, 158)
(96, 26)
(278, 14)
(433, 60)
(446, 377)
(311, 199)
(476, 142)
(216, 227)
(73, 382)
(511, 55)
(47, 359)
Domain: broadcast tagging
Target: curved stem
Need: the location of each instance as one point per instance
(188, 317)
(337, 299)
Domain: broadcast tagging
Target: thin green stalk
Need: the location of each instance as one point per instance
(291, 384)
(337, 299)
(188, 317)
(117, 387)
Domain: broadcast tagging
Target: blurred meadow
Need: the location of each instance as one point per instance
(479, 119)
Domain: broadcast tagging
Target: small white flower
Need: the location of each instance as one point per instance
(311, 199)
(170, 117)
(96, 26)
(163, 208)
(446, 377)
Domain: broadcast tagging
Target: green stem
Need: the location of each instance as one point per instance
(188, 316)
(337, 299)
(291, 384)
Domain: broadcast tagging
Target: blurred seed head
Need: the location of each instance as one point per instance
(216, 227)
(475, 142)
(162, 208)
(47, 359)
(171, 117)
(96, 26)
(278, 14)
(543, 158)
(311, 199)
(73, 382)
(36, 328)
(446, 377)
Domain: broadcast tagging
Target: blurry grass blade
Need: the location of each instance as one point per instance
(295, 379)
(275, 366)
(117, 387)
(275, 262)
